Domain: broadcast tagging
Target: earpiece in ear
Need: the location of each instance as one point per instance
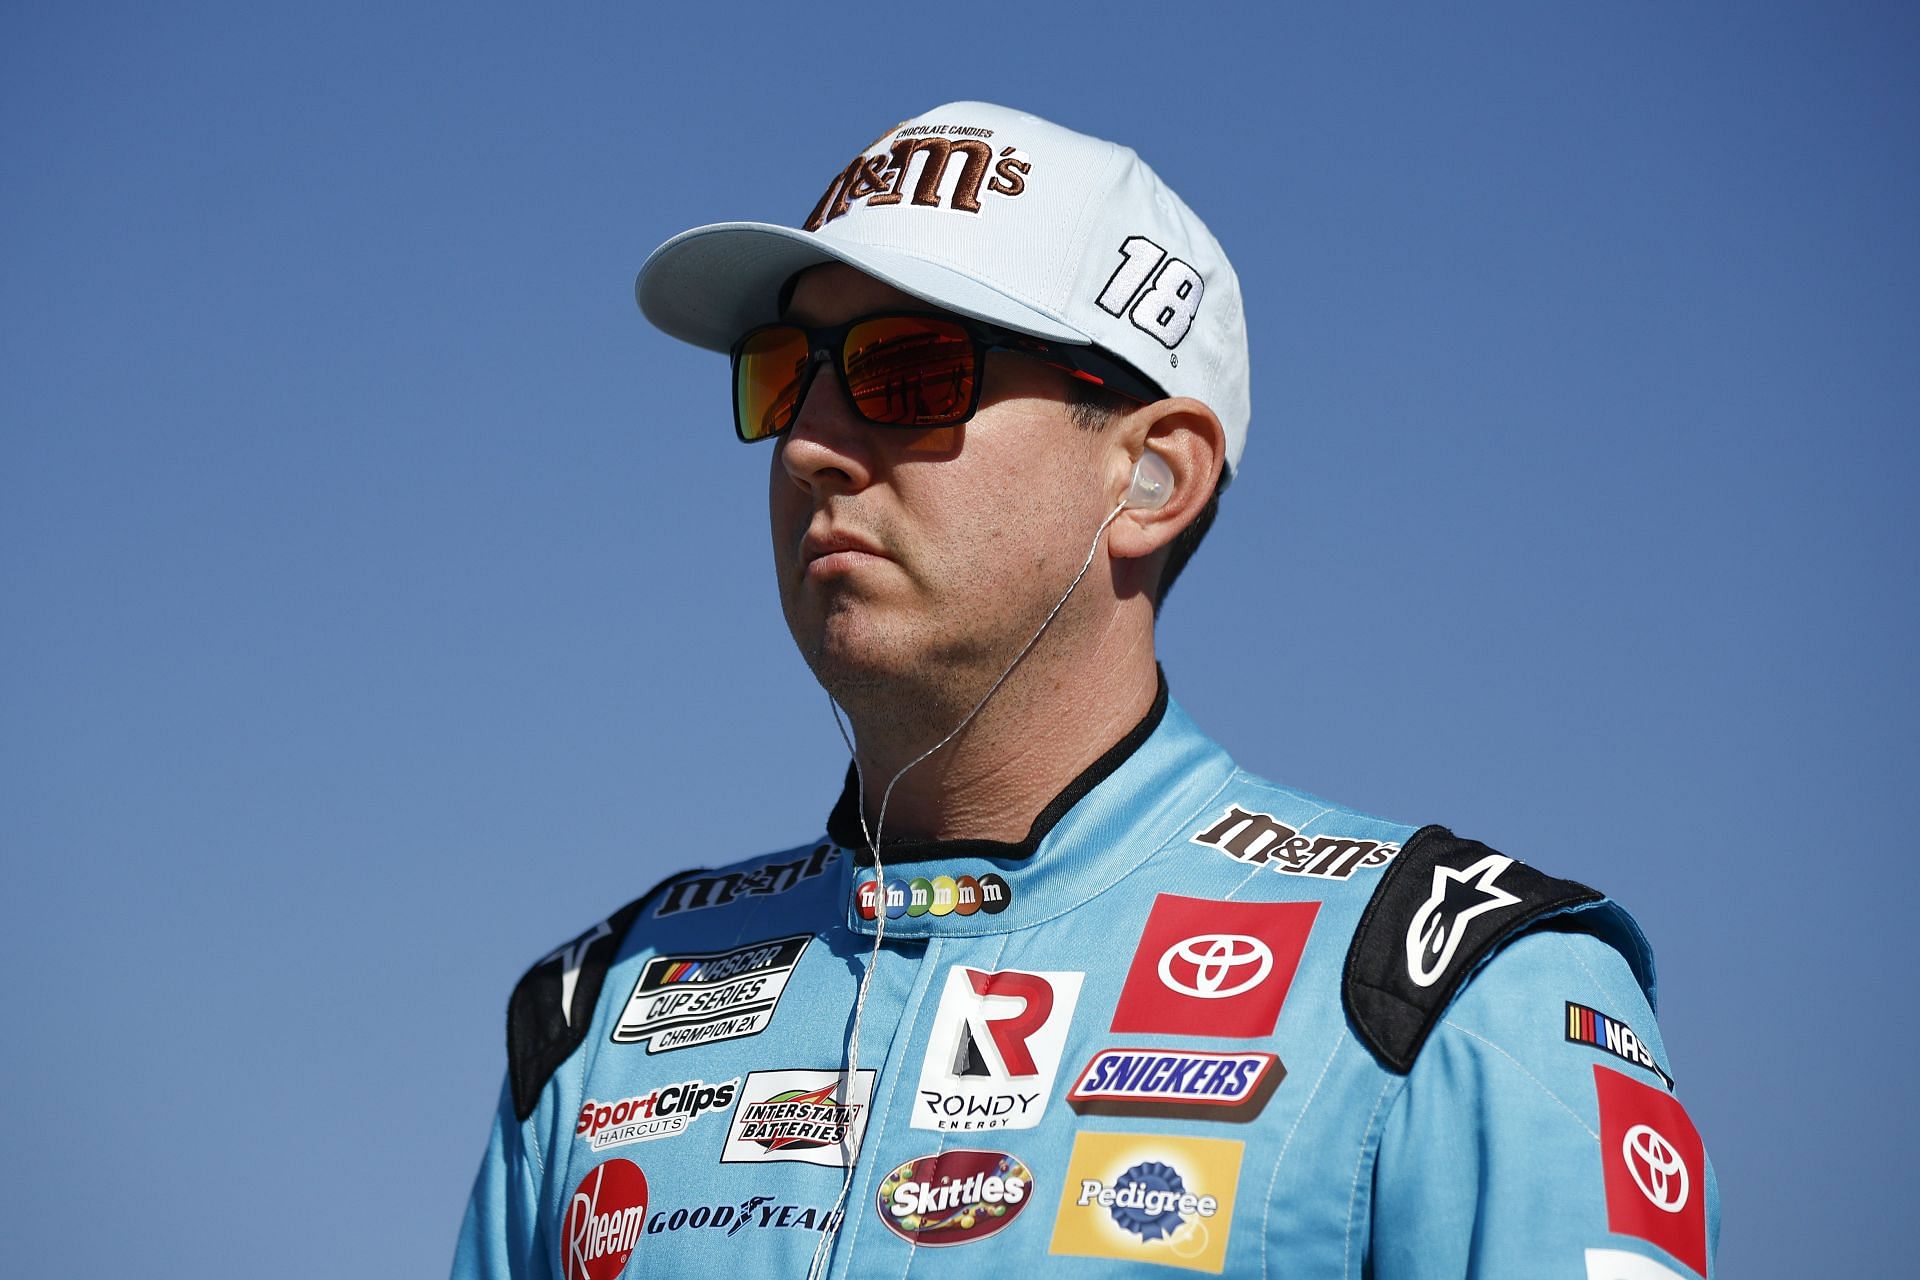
(1152, 483)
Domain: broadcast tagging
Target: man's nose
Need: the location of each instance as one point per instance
(828, 448)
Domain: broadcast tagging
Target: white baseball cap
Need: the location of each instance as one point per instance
(1004, 217)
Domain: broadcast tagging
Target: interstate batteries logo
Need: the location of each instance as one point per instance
(1148, 1198)
(1192, 1084)
(704, 997)
(954, 1197)
(603, 1222)
(812, 1117)
(660, 1114)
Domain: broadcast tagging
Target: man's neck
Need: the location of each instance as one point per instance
(1042, 728)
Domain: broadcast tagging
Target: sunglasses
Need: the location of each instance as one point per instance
(900, 369)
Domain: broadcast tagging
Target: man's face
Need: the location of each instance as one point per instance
(917, 562)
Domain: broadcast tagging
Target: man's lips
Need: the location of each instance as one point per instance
(825, 551)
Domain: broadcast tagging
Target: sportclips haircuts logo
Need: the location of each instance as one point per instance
(880, 179)
(812, 1117)
(954, 1197)
(1261, 840)
(659, 1114)
(995, 1048)
(938, 896)
(603, 1221)
(704, 997)
(697, 893)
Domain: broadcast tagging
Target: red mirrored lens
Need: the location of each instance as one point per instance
(910, 371)
(767, 375)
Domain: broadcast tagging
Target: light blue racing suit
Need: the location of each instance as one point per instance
(1195, 1021)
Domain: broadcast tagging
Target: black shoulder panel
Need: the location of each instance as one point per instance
(1440, 910)
(552, 1006)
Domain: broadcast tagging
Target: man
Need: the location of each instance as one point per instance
(1059, 982)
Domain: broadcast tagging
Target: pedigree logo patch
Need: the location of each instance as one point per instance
(1140, 1197)
(1210, 968)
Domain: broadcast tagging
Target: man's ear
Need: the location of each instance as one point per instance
(1190, 440)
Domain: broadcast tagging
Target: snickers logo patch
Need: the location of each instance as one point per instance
(1193, 1084)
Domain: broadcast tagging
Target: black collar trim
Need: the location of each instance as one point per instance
(843, 824)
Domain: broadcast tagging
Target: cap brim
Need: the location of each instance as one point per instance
(709, 285)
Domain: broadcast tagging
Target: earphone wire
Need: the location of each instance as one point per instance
(822, 1248)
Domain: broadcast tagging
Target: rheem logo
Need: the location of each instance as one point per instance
(604, 1220)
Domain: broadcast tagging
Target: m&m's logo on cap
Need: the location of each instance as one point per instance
(935, 896)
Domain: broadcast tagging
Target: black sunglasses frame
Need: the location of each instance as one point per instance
(826, 345)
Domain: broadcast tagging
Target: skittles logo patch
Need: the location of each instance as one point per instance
(938, 896)
(1149, 1198)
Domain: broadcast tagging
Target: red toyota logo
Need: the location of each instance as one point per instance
(1200, 966)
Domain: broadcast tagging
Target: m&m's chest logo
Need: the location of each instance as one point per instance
(936, 896)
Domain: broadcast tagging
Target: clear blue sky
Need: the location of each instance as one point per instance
(382, 601)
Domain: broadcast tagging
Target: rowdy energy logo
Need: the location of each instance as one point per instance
(603, 1221)
(880, 179)
(996, 1044)
(813, 1117)
(1261, 840)
(660, 1114)
(1148, 1198)
(703, 997)
(939, 896)
(954, 1197)
(700, 892)
(1591, 1027)
(1192, 1084)
(1210, 968)
(1655, 1167)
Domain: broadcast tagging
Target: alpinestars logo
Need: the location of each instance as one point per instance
(571, 958)
(1458, 898)
(996, 1045)
(700, 892)
(1261, 840)
(812, 1117)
